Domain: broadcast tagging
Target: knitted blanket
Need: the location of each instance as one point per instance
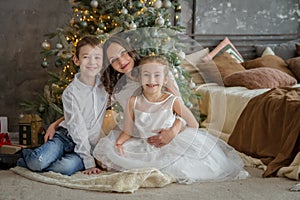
(126, 181)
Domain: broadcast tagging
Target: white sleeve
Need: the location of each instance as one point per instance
(77, 128)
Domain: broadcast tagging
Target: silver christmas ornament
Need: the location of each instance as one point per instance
(158, 4)
(192, 85)
(59, 46)
(124, 11)
(174, 70)
(160, 21)
(167, 4)
(94, 3)
(132, 26)
(46, 45)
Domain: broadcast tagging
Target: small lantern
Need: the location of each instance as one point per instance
(30, 126)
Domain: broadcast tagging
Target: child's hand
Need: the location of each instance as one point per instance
(163, 137)
(92, 170)
(49, 133)
(120, 149)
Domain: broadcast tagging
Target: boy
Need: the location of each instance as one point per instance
(84, 103)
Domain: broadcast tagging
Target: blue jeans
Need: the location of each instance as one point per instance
(55, 155)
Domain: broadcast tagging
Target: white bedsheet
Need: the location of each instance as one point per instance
(223, 106)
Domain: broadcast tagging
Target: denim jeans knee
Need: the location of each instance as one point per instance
(67, 165)
(41, 157)
(44, 156)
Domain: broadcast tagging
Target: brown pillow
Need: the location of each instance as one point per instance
(257, 78)
(227, 65)
(294, 66)
(271, 61)
(297, 49)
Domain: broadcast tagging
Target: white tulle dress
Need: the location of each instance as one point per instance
(192, 156)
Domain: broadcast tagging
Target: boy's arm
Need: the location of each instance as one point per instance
(51, 129)
(75, 124)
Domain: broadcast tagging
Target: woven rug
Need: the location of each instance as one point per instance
(126, 181)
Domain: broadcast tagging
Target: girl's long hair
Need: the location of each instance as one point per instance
(111, 76)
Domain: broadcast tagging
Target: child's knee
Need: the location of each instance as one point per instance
(67, 165)
(36, 163)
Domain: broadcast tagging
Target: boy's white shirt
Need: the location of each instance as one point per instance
(84, 111)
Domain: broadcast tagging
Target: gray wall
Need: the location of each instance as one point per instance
(241, 16)
(24, 23)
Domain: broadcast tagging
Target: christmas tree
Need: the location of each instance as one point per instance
(104, 18)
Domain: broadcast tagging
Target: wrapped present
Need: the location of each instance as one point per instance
(4, 139)
(30, 130)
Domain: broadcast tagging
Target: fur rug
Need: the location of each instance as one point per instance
(126, 181)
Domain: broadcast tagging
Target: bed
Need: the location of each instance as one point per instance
(242, 80)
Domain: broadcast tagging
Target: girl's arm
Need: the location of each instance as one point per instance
(181, 110)
(122, 138)
(164, 136)
(51, 129)
(128, 125)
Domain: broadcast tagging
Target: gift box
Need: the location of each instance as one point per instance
(30, 130)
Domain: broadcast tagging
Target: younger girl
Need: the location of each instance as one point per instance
(193, 155)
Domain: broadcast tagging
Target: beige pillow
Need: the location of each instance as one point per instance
(258, 78)
(189, 63)
(294, 66)
(271, 61)
(267, 51)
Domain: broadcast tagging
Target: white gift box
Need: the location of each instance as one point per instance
(3, 125)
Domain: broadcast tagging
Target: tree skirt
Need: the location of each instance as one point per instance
(126, 181)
